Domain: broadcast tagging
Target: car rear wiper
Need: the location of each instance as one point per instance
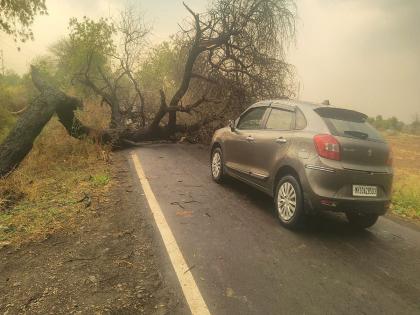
(356, 134)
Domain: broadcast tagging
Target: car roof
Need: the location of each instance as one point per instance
(294, 103)
(314, 120)
(281, 103)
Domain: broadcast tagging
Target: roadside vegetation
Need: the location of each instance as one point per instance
(405, 142)
(56, 186)
(395, 126)
(406, 197)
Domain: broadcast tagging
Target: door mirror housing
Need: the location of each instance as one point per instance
(232, 125)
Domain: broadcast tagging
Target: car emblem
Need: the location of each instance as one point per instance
(370, 153)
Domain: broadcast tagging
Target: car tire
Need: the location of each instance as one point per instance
(288, 202)
(217, 166)
(361, 221)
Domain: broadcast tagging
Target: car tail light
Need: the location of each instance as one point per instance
(327, 147)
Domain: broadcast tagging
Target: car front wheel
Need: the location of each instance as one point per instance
(217, 165)
(289, 202)
(362, 221)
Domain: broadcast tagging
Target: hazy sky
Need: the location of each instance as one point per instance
(356, 53)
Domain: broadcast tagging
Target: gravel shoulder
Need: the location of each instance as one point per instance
(107, 265)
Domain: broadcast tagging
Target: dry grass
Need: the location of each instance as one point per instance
(406, 197)
(43, 195)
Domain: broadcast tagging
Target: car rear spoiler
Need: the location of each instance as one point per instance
(341, 113)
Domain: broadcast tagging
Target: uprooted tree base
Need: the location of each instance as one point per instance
(50, 101)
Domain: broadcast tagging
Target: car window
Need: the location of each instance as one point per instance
(348, 123)
(251, 120)
(280, 120)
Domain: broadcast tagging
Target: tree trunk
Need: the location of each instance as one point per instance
(51, 100)
(29, 125)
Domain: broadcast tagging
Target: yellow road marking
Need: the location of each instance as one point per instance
(189, 287)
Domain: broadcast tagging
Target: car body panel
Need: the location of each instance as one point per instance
(236, 152)
(364, 155)
(258, 162)
(269, 152)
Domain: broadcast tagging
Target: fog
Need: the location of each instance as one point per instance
(358, 54)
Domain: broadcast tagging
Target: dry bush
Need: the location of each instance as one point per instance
(54, 150)
(11, 192)
(43, 194)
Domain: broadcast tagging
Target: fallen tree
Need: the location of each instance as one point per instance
(51, 100)
(126, 137)
(20, 139)
(228, 56)
(232, 55)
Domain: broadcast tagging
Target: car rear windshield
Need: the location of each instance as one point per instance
(348, 123)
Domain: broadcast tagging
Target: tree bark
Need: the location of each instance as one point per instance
(29, 125)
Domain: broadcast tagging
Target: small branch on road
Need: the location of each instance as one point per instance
(189, 269)
(176, 203)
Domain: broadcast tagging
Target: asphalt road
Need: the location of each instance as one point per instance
(244, 262)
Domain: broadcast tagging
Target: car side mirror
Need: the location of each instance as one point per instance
(232, 125)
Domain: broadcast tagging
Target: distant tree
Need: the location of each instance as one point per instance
(161, 68)
(379, 122)
(86, 50)
(13, 97)
(387, 124)
(415, 125)
(14, 92)
(17, 16)
(395, 124)
(103, 58)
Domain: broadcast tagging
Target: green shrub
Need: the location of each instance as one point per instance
(406, 198)
(6, 123)
(100, 180)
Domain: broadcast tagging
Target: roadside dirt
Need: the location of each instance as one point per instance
(106, 266)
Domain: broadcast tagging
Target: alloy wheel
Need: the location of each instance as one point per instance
(216, 164)
(286, 201)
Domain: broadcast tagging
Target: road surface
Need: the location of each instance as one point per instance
(244, 262)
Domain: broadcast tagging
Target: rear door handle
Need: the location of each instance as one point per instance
(281, 140)
(250, 139)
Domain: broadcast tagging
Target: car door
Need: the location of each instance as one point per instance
(238, 148)
(272, 142)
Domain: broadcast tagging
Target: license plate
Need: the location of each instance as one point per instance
(365, 191)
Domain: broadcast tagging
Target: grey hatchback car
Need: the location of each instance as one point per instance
(308, 157)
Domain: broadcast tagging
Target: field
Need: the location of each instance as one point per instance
(406, 198)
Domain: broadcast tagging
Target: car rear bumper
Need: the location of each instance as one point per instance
(316, 204)
(332, 189)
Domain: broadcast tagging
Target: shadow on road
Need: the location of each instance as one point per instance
(323, 225)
